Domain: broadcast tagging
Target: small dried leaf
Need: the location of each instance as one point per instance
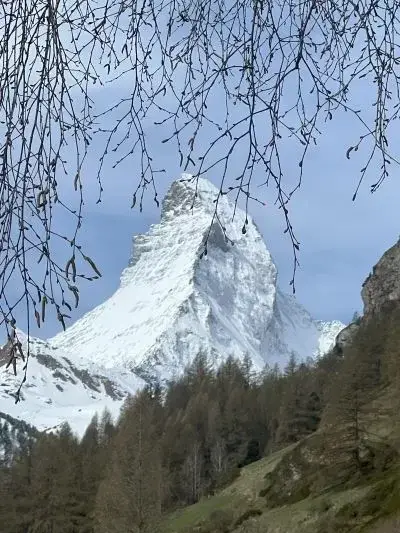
(21, 353)
(44, 302)
(92, 264)
(71, 263)
(60, 318)
(75, 291)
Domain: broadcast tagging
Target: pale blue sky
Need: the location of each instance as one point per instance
(340, 240)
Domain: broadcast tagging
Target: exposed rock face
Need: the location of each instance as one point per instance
(380, 289)
(5, 354)
(345, 337)
(383, 285)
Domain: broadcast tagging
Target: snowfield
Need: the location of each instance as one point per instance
(57, 390)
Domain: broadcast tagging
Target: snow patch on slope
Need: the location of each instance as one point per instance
(57, 390)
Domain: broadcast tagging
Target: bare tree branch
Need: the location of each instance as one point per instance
(218, 77)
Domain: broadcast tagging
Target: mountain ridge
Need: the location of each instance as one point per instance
(175, 301)
(230, 297)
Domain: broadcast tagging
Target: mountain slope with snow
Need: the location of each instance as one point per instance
(173, 302)
(57, 389)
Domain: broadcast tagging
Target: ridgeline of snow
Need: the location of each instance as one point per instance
(171, 304)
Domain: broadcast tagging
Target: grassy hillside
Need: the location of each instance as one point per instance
(240, 497)
(370, 507)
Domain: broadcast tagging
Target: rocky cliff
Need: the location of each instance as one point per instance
(383, 285)
(380, 290)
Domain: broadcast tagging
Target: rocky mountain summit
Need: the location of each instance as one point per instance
(174, 301)
(379, 290)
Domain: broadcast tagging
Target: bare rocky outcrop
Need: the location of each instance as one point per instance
(345, 337)
(382, 286)
(380, 290)
(5, 354)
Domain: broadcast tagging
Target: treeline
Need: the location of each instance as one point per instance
(169, 448)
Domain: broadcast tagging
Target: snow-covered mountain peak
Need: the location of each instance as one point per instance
(187, 221)
(190, 195)
(173, 303)
(179, 224)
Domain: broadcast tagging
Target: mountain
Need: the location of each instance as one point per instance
(57, 389)
(173, 302)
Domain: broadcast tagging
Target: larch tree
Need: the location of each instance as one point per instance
(130, 496)
(300, 408)
(347, 418)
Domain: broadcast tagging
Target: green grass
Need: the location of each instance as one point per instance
(195, 514)
(352, 510)
(241, 495)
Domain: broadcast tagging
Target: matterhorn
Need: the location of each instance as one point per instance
(199, 281)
